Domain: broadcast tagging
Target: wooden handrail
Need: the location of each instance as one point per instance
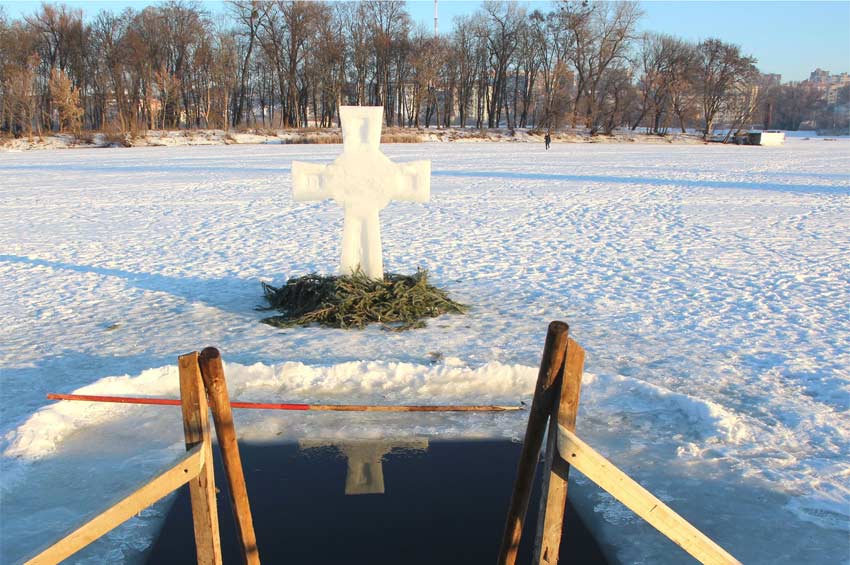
(187, 468)
(194, 468)
(560, 376)
(639, 500)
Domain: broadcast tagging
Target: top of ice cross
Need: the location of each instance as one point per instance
(361, 127)
(362, 177)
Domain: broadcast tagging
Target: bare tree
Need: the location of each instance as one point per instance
(60, 43)
(655, 59)
(549, 34)
(468, 54)
(795, 104)
(681, 83)
(19, 64)
(503, 21)
(357, 30)
(247, 14)
(529, 57)
(425, 65)
(722, 70)
(616, 99)
(329, 64)
(743, 103)
(66, 102)
(599, 36)
(293, 62)
(389, 23)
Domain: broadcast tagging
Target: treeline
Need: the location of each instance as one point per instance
(292, 63)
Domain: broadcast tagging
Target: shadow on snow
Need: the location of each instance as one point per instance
(708, 183)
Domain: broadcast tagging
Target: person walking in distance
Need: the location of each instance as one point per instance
(548, 140)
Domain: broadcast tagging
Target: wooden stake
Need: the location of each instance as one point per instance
(212, 372)
(196, 428)
(551, 367)
(553, 500)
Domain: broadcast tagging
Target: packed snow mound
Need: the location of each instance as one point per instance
(705, 420)
(45, 429)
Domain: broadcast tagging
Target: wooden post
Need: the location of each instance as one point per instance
(196, 428)
(553, 498)
(551, 367)
(213, 375)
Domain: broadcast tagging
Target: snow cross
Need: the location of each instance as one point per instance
(362, 180)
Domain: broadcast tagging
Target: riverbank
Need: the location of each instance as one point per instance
(171, 138)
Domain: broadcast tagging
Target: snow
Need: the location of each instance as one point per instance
(708, 284)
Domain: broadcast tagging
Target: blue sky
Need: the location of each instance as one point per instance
(791, 38)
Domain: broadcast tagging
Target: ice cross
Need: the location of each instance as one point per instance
(365, 473)
(363, 181)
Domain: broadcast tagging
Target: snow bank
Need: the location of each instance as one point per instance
(704, 421)
(361, 382)
(705, 424)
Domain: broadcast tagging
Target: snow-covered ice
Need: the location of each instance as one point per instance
(708, 284)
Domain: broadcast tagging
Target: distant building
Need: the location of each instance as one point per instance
(819, 76)
(827, 84)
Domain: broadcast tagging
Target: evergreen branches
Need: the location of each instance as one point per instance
(399, 302)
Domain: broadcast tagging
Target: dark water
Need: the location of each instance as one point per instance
(408, 502)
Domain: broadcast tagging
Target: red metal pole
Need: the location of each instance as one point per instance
(170, 401)
(272, 406)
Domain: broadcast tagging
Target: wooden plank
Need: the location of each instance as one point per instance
(196, 429)
(551, 368)
(553, 501)
(212, 372)
(639, 500)
(174, 477)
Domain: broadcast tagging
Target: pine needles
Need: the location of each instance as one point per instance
(399, 302)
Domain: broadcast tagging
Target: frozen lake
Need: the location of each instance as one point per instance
(708, 284)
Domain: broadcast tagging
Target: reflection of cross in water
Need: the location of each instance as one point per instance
(365, 473)
(363, 181)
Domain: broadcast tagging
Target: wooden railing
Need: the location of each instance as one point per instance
(555, 405)
(200, 375)
(639, 500)
(188, 468)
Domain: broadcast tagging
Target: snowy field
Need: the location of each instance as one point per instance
(708, 284)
